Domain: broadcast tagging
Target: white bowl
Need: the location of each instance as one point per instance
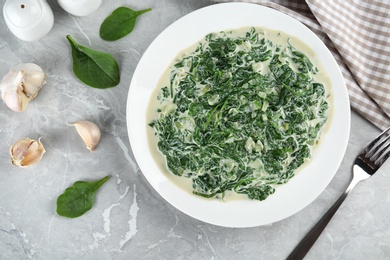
(289, 198)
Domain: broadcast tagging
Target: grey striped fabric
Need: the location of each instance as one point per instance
(358, 35)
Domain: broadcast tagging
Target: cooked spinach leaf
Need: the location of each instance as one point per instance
(240, 114)
(79, 198)
(94, 68)
(120, 23)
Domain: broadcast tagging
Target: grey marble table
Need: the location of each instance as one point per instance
(129, 219)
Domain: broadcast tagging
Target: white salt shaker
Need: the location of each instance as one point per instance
(29, 20)
(80, 7)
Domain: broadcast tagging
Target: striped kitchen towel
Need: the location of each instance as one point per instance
(357, 32)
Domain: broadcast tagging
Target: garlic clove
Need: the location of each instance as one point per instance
(18, 150)
(89, 132)
(33, 82)
(15, 99)
(26, 152)
(21, 85)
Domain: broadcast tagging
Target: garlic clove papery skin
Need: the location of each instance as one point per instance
(89, 132)
(26, 152)
(21, 85)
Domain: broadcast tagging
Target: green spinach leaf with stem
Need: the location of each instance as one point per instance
(94, 68)
(79, 198)
(120, 23)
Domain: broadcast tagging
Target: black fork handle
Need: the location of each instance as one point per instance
(308, 241)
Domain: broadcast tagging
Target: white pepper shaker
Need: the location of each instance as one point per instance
(29, 20)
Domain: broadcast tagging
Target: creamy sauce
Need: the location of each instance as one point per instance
(276, 37)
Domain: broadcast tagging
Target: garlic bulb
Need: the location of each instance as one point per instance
(21, 85)
(26, 152)
(89, 132)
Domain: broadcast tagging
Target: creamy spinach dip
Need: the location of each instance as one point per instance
(239, 113)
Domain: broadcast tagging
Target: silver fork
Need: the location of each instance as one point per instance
(365, 165)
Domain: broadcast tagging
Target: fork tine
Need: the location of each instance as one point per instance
(383, 159)
(374, 154)
(367, 150)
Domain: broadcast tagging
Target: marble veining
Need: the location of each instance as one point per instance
(129, 219)
(133, 211)
(81, 30)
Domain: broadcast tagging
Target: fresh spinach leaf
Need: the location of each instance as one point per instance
(94, 68)
(120, 23)
(79, 198)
